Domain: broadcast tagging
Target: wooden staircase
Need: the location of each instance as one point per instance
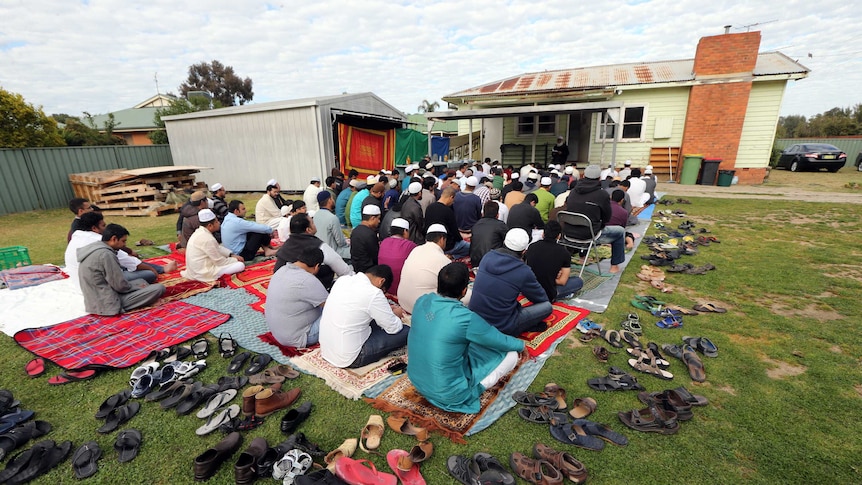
(663, 159)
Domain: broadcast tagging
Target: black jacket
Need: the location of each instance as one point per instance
(487, 235)
(589, 199)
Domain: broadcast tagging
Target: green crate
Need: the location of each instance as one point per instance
(14, 256)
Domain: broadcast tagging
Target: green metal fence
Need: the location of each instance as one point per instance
(852, 146)
(38, 178)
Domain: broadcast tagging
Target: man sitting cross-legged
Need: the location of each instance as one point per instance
(295, 299)
(106, 291)
(454, 353)
(243, 237)
(206, 259)
(358, 325)
(552, 265)
(502, 276)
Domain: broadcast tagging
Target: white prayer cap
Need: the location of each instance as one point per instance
(210, 203)
(472, 181)
(570, 170)
(206, 215)
(272, 182)
(315, 179)
(648, 171)
(392, 183)
(414, 188)
(515, 175)
(400, 222)
(627, 163)
(285, 209)
(436, 228)
(546, 181)
(517, 239)
(371, 180)
(648, 167)
(371, 210)
(429, 165)
(216, 187)
(533, 176)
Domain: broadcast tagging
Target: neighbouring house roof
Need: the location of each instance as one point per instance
(157, 101)
(419, 122)
(617, 75)
(132, 119)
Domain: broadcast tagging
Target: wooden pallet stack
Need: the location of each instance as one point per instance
(140, 192)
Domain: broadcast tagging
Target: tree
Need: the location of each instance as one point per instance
(77, 133)
(177, 107)
(24, 125)
(220, 81)
(427, 107)
(63, 117)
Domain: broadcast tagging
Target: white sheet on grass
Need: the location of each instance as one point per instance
(40, 306)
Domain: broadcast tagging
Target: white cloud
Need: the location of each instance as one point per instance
(101, 55)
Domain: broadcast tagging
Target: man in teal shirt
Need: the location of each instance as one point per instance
(455, 354)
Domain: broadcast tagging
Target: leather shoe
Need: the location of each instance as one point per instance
(245, 470)
(271, 400)
(248, 399)
(208, 462)
(294, 417)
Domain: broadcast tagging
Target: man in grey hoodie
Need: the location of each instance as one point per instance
(106, 291)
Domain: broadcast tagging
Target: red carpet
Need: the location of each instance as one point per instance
(255, 280)
(287, 351)
(119, 341)
(561, 320)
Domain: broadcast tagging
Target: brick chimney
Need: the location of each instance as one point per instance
(716, 107)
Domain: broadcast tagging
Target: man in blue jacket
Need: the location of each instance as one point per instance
(501, 278)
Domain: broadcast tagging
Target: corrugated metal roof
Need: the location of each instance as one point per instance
(598, 77)
(129, 119)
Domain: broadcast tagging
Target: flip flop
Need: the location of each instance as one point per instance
(258, 363)
(694, 364)
(237, 362)
(201, 348)
(20, 462)
(10, 420)
(71, 376)
(113, 402)
(693, 399)
(85, 460)
(613, 338)
(267, 376)
(195, 398)
(218, 419)
(670, 321)
(42, 462)
(119, 416)
(582, 407)
(35, 367)
(601, 431)
(231, 382)
(128, 444)
(646, 363)
(286, 371)
(216, 402)
(709, 308)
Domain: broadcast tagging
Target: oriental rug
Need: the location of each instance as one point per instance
(118, 341)
(563, 318)
(255, 280)
(350, 383)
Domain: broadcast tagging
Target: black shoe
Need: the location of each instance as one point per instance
(293, 418)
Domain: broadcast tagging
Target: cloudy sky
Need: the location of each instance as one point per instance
(98, 56)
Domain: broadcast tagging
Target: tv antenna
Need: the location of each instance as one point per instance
(749, 26)
(156, 79)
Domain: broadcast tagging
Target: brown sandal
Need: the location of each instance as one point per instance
(557, 393)
(423, 450)
(582, 407)
(601, 353)
(403, 426)
(538, 472)
(567, 464)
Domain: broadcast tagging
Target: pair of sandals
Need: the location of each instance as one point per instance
(617, 338)
(481, 468)
(17, 436)
(35, 461)
(616, 380)
(86, 457)
(689, 357)
(227, 347)
(652, 419)
(632, 323)
(293, 464)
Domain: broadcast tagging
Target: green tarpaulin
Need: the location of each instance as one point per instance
(410, 143)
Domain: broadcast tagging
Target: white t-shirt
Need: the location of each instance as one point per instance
(83, 238)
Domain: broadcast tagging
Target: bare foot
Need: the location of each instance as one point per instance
(615, 268)
(171, 267)
(269, 252)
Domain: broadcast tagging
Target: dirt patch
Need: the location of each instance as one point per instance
(826, 294)
(783, 369)
(844, 271)
(858, 388)
(745, 341)
(572, 340)
(836, 349)
(727, 389)
(811, 311)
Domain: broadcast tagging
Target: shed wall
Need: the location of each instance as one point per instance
(758, 130)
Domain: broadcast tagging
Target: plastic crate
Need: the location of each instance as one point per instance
(14, 256)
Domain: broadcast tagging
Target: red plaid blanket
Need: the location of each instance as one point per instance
(25, 276)
(119, 341)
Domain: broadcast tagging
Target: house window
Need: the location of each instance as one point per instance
(544, 124)
(630, 125)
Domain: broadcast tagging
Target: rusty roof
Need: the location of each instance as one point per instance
(612, 76)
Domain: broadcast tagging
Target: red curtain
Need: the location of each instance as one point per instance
(366, 151)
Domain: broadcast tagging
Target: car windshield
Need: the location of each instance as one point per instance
(822, 148)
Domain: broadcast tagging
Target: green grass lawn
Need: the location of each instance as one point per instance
(785, 390)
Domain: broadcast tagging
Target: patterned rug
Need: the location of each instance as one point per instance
(402, 399)
(562, 319)
(179, 288)
(255, 280)
(592, 279)
(350, 383)
(26, 276)
(118, 341)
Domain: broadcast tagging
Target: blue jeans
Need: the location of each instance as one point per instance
(460, 250)
(144, 274)
(313, 335)
(616, 237)
(379, 344)
(572, 286)
(531, 316)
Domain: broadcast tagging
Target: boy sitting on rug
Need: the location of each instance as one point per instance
(358, 325)
(106, 291)
(454, 353)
